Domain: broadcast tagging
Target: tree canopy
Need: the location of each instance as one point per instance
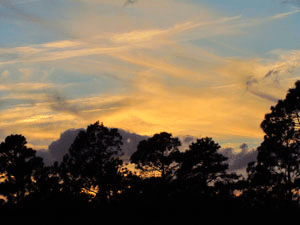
(156, 154)
(93, 159)
(202, 163)
(280, 150)
(18, 166)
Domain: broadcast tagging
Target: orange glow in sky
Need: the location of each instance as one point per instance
(198, 68)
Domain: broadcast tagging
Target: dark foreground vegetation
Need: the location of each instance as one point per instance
(93, 182)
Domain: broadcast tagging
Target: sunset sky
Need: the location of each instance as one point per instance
(194, 67)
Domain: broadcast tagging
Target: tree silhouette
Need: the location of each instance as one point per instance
(93, 161)
(49, 187)
(201, 163)
(280, 150)
(19, 165)
(156, 154)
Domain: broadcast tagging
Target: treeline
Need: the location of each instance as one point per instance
(169, 182)
(92, 172)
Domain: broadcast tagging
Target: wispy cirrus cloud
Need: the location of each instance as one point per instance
(227, 100)
(25, 86)
(129, 41)
(126, 42)
(145, 75)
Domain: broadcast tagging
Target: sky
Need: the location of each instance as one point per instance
(192, 68)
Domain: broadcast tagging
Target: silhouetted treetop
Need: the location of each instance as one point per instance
(93, 158)
(19, 165)
(201, 163)
(280, 150)
(156, 154)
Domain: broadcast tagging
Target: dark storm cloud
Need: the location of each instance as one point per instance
(46, 155)
(61, 146)
(130, 143)
(238, 161)
(188, 139)
(57, 149)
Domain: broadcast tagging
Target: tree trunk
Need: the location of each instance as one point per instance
(289, 188)
(163, 166)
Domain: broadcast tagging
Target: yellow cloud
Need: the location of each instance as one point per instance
(282, 15)
(147, 35)
(61, 44)
(225, 109)
(168, 85)
(156, 64)
(258, 21)
(25, 86)
(167, 94)
(136, 36)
